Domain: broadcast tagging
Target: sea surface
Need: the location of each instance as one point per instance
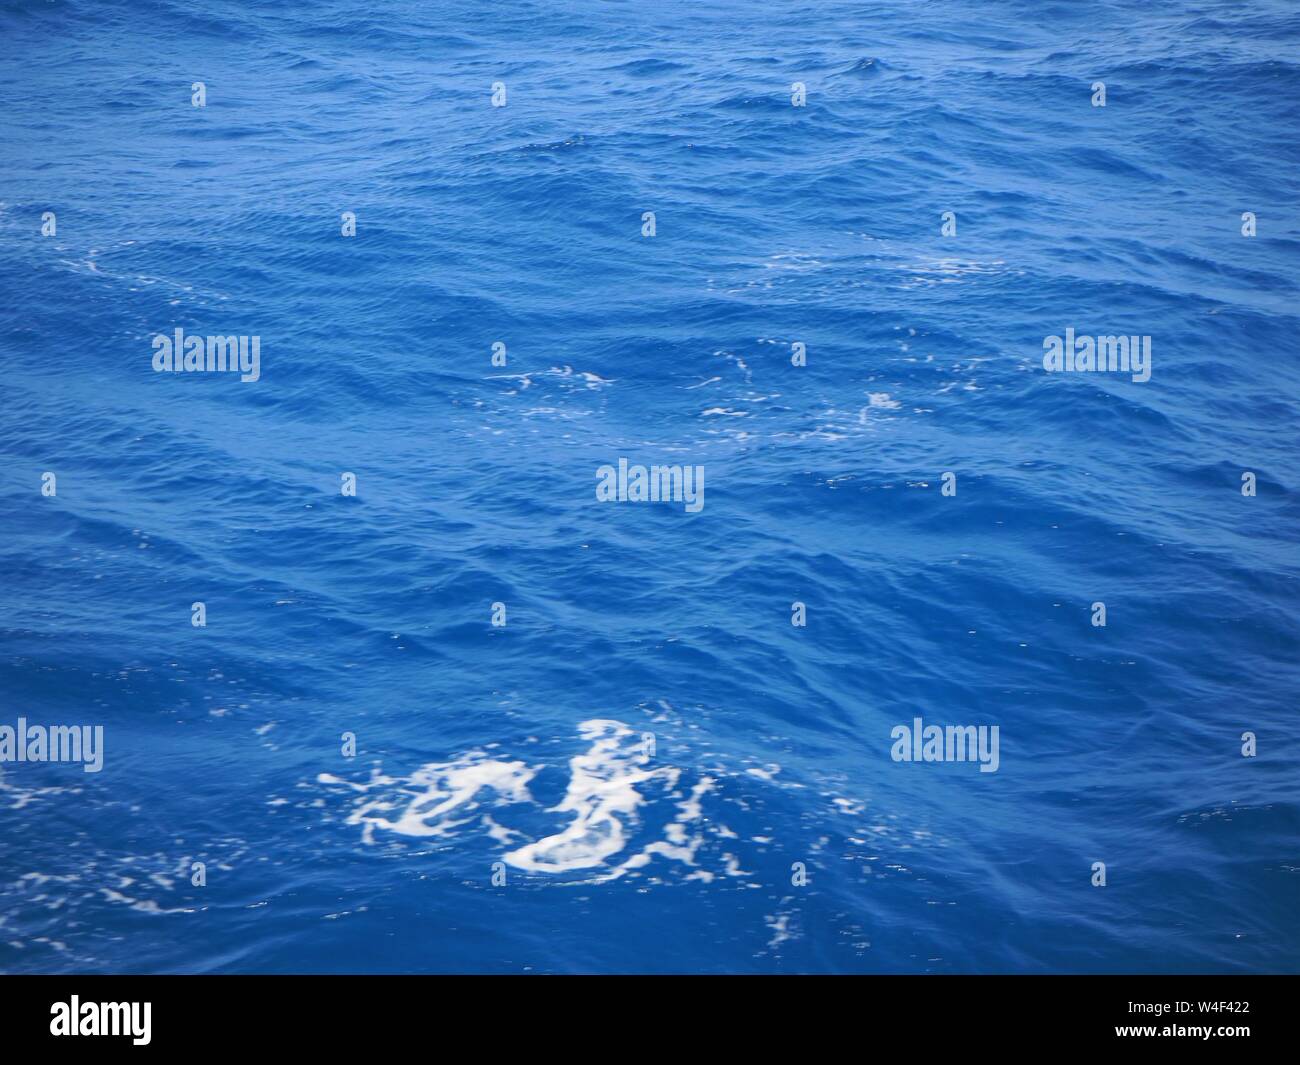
(649, 767)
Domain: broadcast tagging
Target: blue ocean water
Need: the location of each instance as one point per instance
(667, 774)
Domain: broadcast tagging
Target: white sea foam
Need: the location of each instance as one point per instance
(603, 799)
(440, 797)
(612, 784)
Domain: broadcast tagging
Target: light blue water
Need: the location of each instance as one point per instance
(524, 745)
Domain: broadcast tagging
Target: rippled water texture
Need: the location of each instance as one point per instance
(667, 774)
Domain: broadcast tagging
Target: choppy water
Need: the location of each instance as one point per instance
(524, 745)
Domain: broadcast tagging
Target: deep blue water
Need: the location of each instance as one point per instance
(523, 745)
